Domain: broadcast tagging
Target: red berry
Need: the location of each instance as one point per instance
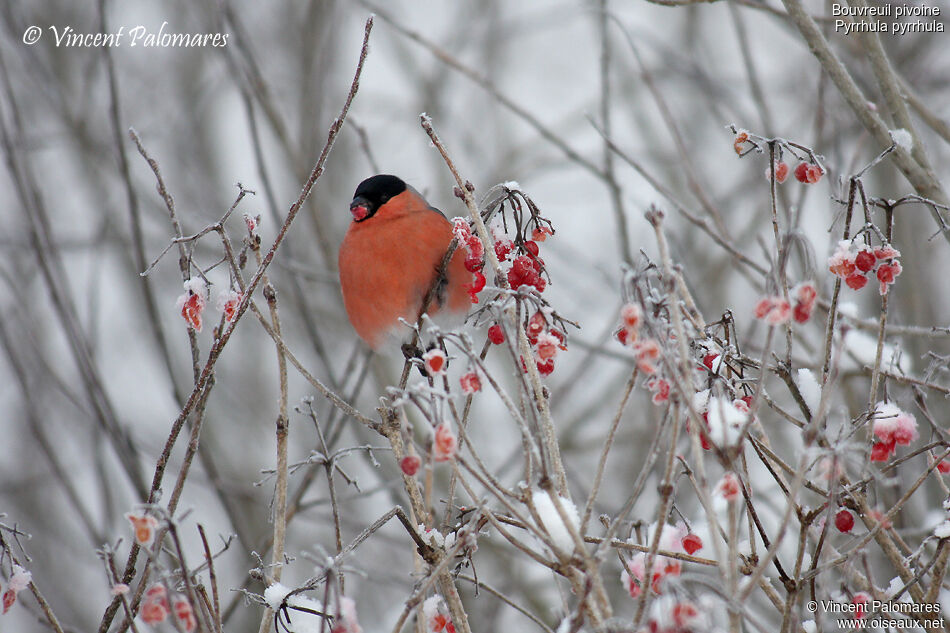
(865, 261)
(880, 451)
(503, 249)
(410, 465)
(496, 335)
(802, 312)
(473, 264)
(692, 543)
(886, 274)
(470, 383)
(844, 521)
(540, 233)
(536, 325)
(944, 467)
(856, 281)
(781, 172)
(709, 359)
(801, 172)
(478, 282)
(621, 335)
(546, 367)
(532, 247)
(808, 174)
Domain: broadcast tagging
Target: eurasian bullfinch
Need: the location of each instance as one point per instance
(390, 258)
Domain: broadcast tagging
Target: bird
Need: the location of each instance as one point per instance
(390, 258)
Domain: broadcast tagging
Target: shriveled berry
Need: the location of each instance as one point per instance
(540, 233)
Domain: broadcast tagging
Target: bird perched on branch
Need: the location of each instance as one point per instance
(391, 257)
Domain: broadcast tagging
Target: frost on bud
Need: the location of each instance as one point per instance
(444, 443)
(410, 465)
(844, 520)
(252, 223)
(193, 302)
(435, 362)
(470, 383)
(143, 526)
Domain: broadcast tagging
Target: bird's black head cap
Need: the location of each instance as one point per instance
(373, 193)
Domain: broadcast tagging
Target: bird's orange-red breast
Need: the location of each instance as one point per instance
(390, 258)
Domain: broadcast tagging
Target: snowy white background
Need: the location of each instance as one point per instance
(287, 67)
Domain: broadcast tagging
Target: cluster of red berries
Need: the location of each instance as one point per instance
(154, 609)
(545, 340)
(777, 310)
(526, 268)
(646, 349)
(853, 266)
(805, 172)
(474, 260)
(891, 427)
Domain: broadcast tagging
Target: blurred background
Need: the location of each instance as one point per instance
(95, 361)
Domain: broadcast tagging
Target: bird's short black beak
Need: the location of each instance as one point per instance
(360, 208)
